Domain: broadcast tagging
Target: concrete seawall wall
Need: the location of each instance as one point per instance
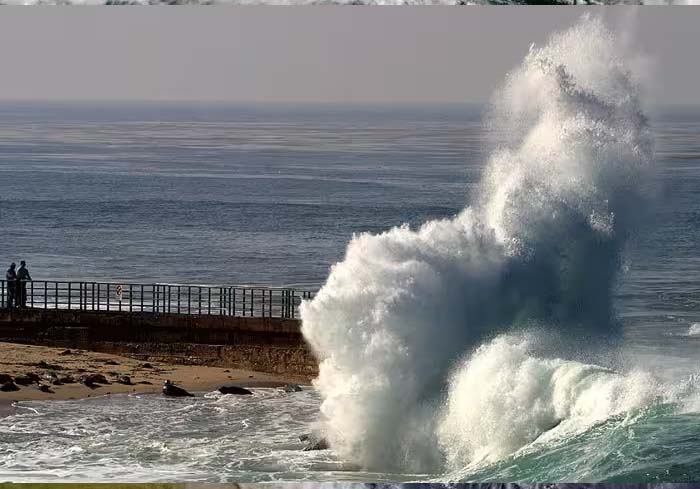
(265, 344)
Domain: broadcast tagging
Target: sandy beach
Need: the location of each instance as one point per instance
(61, 375)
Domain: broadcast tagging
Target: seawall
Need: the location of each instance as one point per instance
(265, 344)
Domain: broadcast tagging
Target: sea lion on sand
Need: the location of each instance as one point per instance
(234, 389)
(171, 390)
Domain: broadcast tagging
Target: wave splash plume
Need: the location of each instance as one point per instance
(432, 341)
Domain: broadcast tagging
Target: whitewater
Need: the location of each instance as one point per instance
(491, 336)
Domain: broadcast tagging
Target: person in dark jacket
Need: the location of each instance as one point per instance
(22, 278)
(11, 278)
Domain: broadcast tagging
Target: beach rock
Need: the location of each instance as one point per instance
(66, 352)
(320, 444)
(171, 390)
(146, 365)
(27, 379)
(314, 442)
(292, 388)
(48, 366)
(67, 379)
(9, 387)
(5, 378)
(234, 389)
(124, 379)
(145, 382)
(45, 388)
(111, 362)
(53, 378)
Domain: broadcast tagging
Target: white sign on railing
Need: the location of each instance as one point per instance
(120, 291)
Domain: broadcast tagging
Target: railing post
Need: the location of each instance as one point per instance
(284, 303)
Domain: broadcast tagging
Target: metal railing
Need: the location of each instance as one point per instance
(251, 301)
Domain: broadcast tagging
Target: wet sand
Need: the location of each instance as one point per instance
(19, 360)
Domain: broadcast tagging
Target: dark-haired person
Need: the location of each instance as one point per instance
(22, 278)
(11, 278)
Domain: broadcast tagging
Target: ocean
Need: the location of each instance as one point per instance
(265, 195)
(272, 194)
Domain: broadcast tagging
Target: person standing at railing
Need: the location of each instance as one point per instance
(11, 278)
(23, 277)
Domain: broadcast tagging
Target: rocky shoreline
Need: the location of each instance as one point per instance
(29, 372)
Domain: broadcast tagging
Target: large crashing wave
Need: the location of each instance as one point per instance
(539, 246)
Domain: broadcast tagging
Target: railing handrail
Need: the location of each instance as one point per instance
(155, 297)
(172, 284)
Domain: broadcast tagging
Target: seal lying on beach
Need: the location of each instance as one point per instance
(124, 379)
(171, 390)
(9, 386)
(92, 380)
(234, 389)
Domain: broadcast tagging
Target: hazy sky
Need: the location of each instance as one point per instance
(299, 54)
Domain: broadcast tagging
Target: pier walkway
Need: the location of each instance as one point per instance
(184, 299)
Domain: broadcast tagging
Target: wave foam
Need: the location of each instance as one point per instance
(539, 245)
(505, 397)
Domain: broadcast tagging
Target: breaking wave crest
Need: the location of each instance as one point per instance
(431, 340)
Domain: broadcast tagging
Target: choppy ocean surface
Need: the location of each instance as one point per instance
(271, 195)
